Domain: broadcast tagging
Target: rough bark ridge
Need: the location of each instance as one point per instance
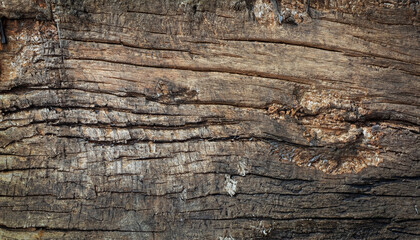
(196, 119)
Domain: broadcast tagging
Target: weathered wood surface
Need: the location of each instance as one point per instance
(202, 119)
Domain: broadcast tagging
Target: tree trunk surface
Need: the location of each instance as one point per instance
(195, 119)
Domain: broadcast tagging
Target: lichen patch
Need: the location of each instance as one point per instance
(230, 185)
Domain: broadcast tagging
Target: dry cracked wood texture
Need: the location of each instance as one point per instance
(195, 119)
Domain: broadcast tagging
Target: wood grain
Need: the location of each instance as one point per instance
(196, 119)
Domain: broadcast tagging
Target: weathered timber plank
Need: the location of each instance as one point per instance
(210, 120)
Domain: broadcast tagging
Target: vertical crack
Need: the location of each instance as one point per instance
(3, 35)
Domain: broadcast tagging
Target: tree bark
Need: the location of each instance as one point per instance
(194, 119)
